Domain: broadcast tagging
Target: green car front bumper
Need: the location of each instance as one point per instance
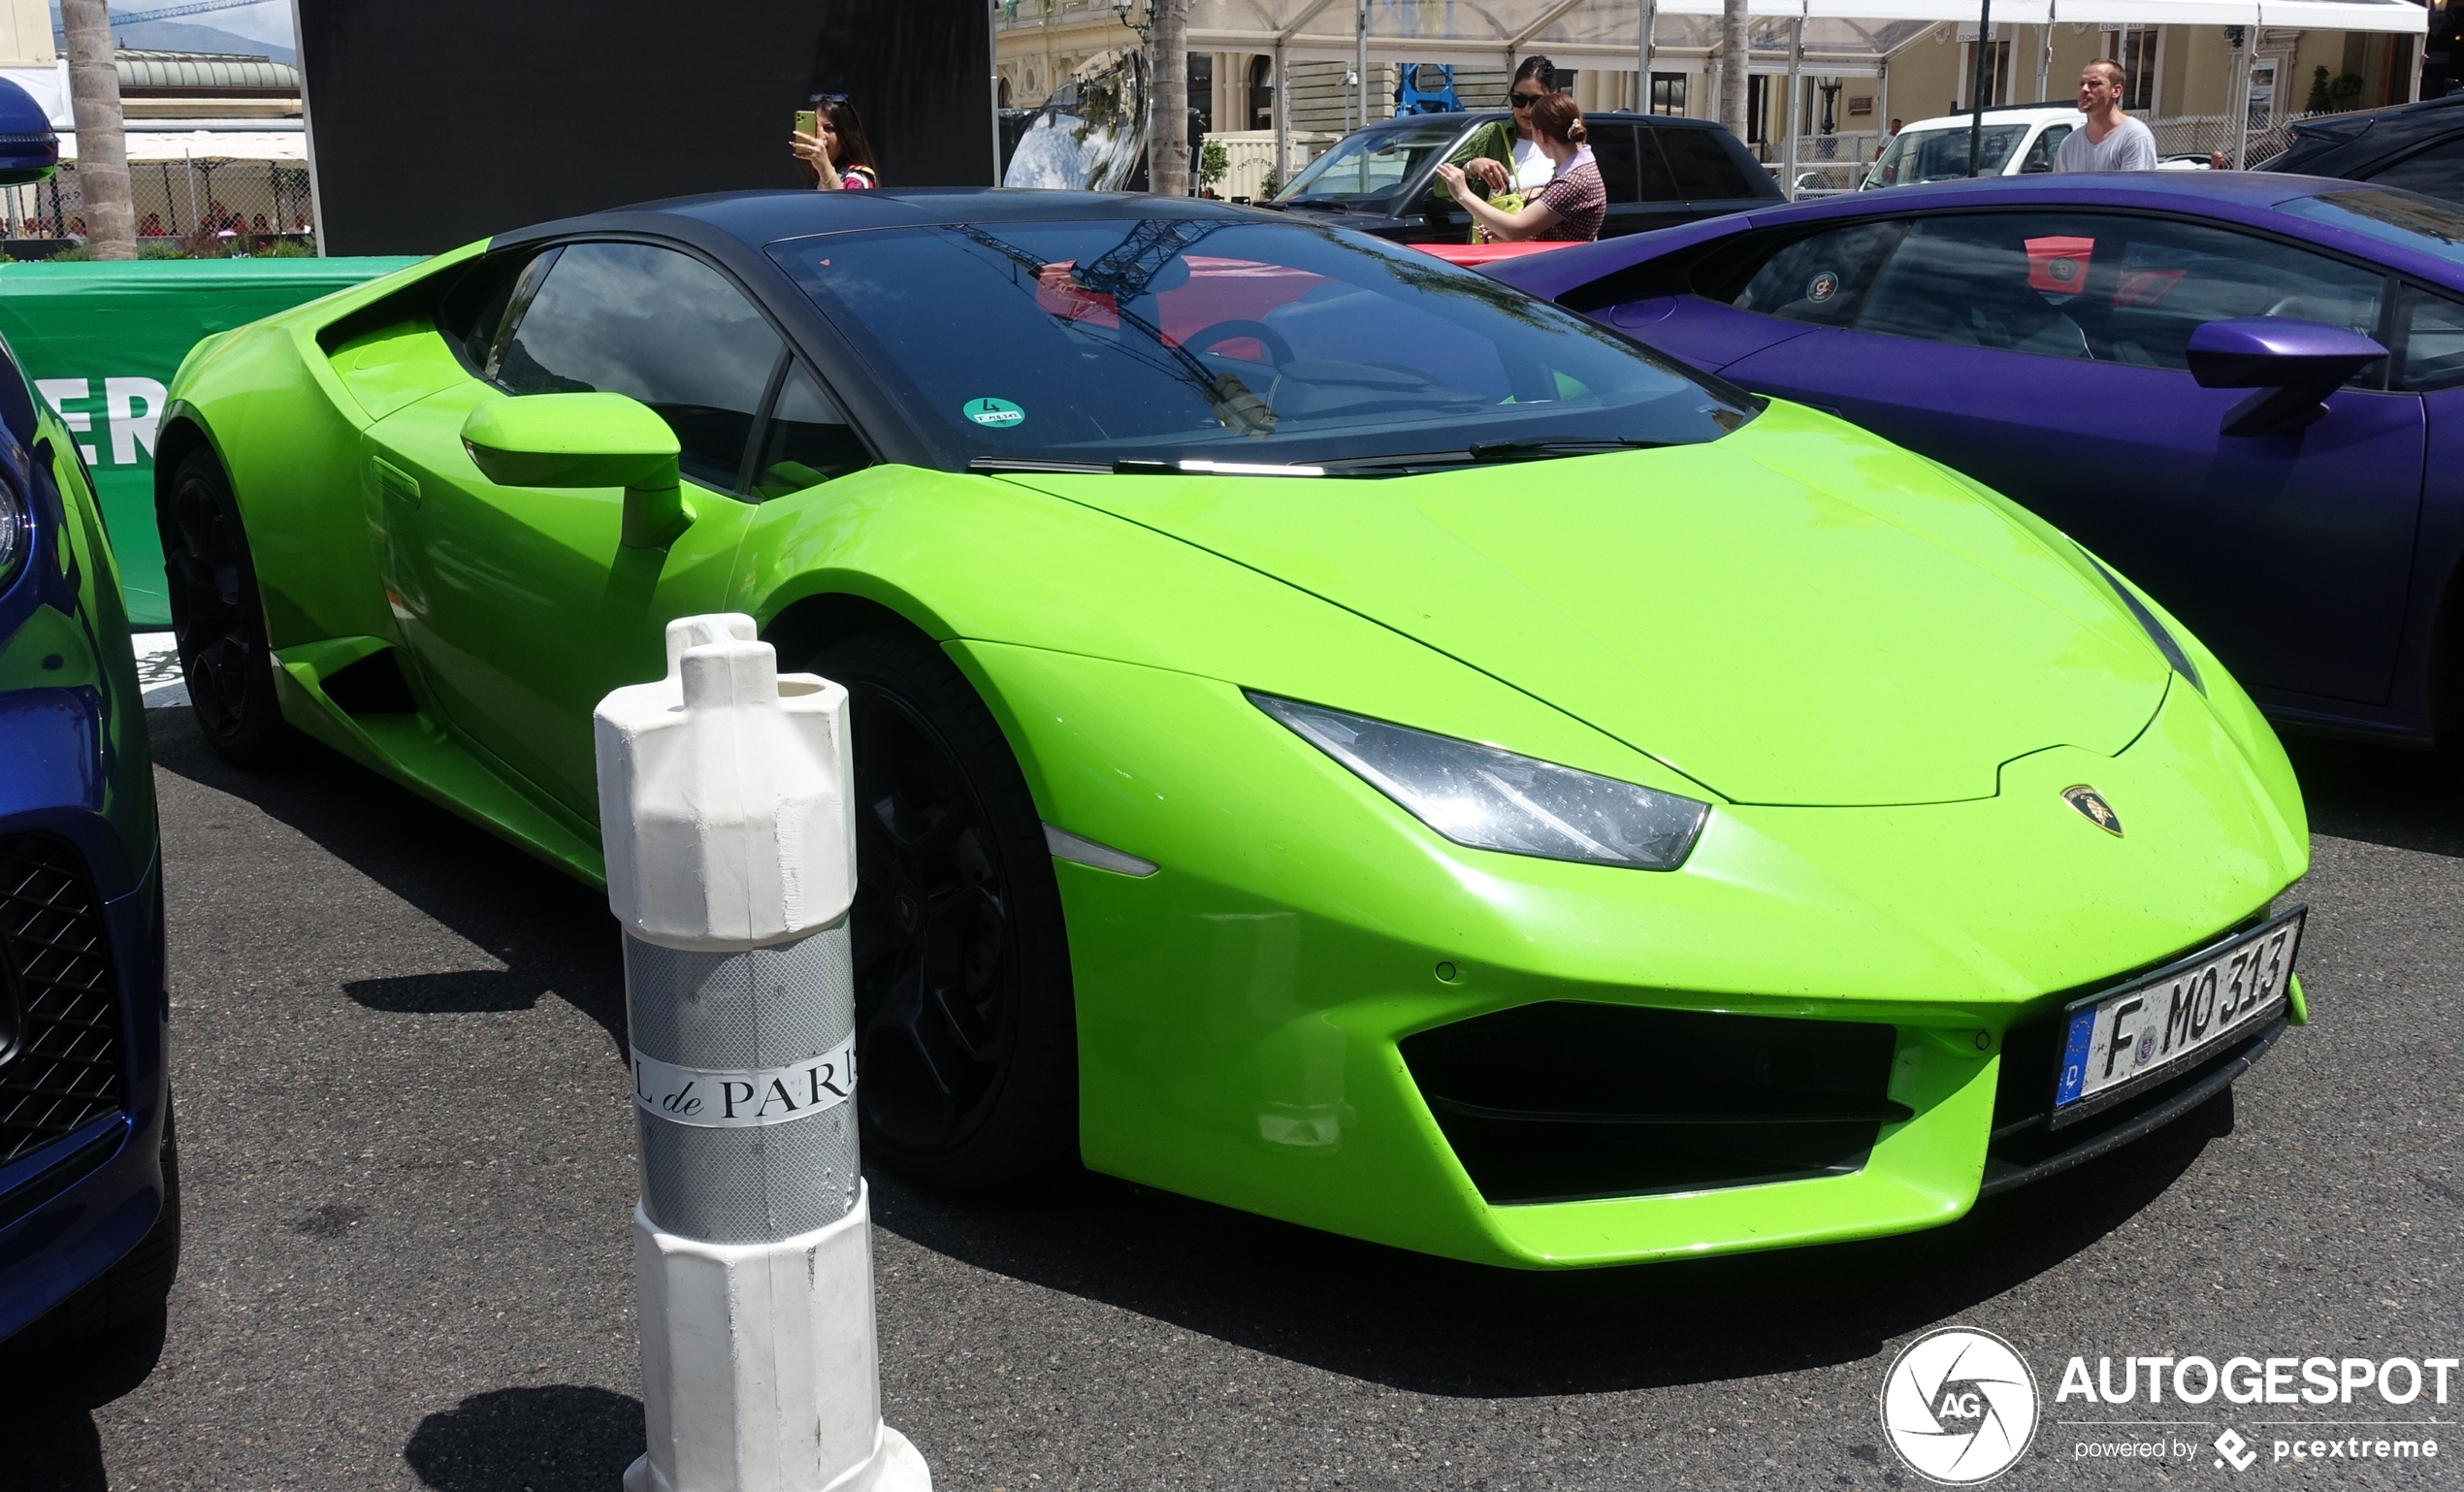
(1245, 1011)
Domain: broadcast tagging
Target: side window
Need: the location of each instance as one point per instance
(1614, 146)
(2110, 289)
(2040, 156)
(474, 309)
(2437, 171)
(656, 324)
(1658, 183)
(1701, 165)
(1823, 279)
(2432, 336)
(806, 443)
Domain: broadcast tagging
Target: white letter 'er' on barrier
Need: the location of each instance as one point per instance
(723, 805)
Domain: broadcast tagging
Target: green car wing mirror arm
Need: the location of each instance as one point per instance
(585, 441)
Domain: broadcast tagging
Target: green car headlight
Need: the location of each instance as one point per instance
(17, 532)
(1493, 800)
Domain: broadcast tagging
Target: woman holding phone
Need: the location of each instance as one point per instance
(829, 140)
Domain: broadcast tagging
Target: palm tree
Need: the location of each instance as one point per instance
(1168, 107)
(1735, 52)
(102, 143)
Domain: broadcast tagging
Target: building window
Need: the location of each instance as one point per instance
(1758, 103)
(1997, 73)
(2135, 49)
(1201, 94)
(1262, 93)
(2262, 95)
(1667, 93)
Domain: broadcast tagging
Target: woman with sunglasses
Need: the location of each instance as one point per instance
(1534, 80)
(1571, 208)
(839, 156)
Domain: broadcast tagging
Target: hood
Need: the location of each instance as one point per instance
(1800, 613)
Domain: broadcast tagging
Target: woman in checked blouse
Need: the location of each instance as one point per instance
(1573, 203)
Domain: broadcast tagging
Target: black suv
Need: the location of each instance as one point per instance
(1658, 170)
(2417, 146)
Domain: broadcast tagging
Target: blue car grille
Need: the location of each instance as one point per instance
(60, 1058)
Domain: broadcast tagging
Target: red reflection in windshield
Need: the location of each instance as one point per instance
(1217, 290)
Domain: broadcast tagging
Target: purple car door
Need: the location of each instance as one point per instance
(2043, 352)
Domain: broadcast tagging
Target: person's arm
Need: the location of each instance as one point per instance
(1535, 217)
(1480, 155)
(814, 152)
(2138, 152)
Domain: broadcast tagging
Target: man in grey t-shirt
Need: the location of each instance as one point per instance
(2110, 140)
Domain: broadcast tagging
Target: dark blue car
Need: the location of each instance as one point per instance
(89, 1192)
(2245, 391)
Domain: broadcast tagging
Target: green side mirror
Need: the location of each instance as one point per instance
(584, 441)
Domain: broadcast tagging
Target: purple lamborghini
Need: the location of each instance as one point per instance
(2243, 390)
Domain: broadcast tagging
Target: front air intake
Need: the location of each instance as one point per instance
(1563, 1101)
(60, 1056)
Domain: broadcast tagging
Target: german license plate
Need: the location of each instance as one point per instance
(2124, 1039)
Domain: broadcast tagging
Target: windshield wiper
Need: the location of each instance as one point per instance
(1543, 448)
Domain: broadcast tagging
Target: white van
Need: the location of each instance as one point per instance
(2017, 141)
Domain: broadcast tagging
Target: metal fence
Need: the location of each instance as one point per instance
(2200, 134)
(175, 203)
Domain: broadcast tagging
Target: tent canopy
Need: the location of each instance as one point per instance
(151, 146)
(1605, 34)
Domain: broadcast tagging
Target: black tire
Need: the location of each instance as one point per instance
(966, 1030)
(217, 616)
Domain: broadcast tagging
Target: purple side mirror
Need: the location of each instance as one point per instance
(2295, 365)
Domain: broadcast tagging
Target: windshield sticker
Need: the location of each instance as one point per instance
(994, 413)
(2056, 265)
(1822, 287)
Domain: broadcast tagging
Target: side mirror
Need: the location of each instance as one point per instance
(2295, 365)
(29, 150)
(584, 441)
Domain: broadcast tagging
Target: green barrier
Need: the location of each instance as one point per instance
(100, 343)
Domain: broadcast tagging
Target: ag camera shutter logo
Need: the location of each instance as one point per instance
(1958, 1405)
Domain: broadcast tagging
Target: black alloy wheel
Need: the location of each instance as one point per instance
(966, 1040)
(217, 617)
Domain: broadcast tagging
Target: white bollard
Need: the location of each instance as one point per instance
(722, 798)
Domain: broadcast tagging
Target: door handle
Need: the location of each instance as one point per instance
(396, 482)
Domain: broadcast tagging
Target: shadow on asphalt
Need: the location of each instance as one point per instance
(1435, 1326)
(553, 934)
(529, 1440)
(2402, 800)
(47, 1392)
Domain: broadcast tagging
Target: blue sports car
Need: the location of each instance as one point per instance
(90, 1183)
(2243, 390)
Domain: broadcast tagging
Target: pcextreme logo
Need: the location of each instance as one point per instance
(1958, 1405)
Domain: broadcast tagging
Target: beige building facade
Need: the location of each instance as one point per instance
(25, 34)
(2185, 79)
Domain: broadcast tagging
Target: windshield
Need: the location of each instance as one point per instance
(1941, 155)
(1271, 342)
(1367, 172)
(2423, 224)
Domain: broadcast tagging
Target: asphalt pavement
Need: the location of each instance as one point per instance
(408, 1165)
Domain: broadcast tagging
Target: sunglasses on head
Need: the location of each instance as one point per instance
(827, 98)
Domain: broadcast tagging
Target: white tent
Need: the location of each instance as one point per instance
(1836, 37)
(176, 146)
